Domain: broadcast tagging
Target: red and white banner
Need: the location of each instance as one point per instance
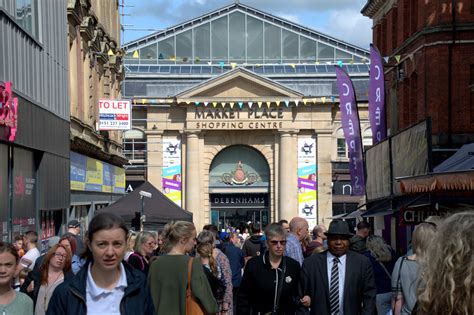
(114, 115)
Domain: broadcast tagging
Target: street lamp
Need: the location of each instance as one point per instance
(143, 194)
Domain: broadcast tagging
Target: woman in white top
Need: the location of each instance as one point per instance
(56, 265)
(11, 302)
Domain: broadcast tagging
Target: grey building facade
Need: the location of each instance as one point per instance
(34, 166)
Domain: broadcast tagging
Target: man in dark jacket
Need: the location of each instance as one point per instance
(270, 281)
(253, 245)
(236, 260)
(358, 240)
(70, 296)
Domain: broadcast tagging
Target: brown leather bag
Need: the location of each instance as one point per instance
(193, 307)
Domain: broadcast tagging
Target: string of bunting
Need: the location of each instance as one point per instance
(241, 104)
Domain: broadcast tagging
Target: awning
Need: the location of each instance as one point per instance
(379, 208)
(335, 217)
(449, 181)
(355, 214)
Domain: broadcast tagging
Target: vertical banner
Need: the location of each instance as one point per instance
(377, 96)
(172, 168)
(307, 185)
(351, 128)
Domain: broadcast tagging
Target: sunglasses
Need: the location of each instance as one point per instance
(274, 242)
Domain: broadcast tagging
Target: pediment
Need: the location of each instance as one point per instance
(239, 84)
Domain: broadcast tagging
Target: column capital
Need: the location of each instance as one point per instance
(288, 132)
(154, 132)
(192, 132)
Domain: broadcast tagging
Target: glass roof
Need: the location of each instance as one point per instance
(240, 37)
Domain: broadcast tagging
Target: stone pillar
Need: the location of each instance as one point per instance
(192, 184)
(154, 158)
(288, 198)
(324, 141)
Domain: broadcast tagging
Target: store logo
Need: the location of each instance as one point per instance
(239, 176)
(172, 149)
(307, 148)
(8, 111)
(307, 210)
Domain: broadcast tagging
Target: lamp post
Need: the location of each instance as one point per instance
(143, 194)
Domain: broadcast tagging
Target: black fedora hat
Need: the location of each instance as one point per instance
(339, 227)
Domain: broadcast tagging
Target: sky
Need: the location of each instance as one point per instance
(338, 18)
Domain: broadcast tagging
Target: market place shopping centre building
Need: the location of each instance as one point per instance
(236, 117)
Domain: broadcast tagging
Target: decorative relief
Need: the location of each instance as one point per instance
(239, 177)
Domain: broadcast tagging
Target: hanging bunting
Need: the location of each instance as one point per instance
(250, 104)
(143, 101)
(286, 103)
(259, 104)
(279, 103)
(241, 104)
(209, 63)
(305, 101)
(221, 64)
(317, 62)
(153, 101)
(397, 58)
(323, 99)
(188, 102)
(231, 104)
(339, 63)
(233, 65)
(296, 102)
(268, 104)
(214, 104)
(196, 103)
(293, 65)
(386, 59)
(205, 104)
(333, 99)
(135, 54)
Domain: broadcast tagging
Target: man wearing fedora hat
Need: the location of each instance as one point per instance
(338, 281)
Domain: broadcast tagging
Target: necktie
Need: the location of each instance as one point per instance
(334, 288)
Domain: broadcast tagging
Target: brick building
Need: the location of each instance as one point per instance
(434, 76)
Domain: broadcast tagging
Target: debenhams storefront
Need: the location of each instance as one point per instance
(235, 116)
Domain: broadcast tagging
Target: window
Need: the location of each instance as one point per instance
(272, 43)
(237, 35)
(341, 148)
(254, 40)
(184, 50)
(367, 139)
(148, 54)
(134, 145)
(290, 46)
(202, 43)
(307, 49)
(26, 14)
(219, 35)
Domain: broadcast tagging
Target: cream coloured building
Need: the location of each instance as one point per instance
(247, 129)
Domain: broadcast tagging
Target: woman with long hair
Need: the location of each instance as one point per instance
(406, 272)
(11, 301)
(69, 241)
(144, 247)
(55, 268)
(168, 275)
(382, 257)
(448, 275)
(207, 253)
(104, 285)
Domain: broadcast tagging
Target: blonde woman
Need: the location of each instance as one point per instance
(449, 272)
(144, 247)
(168, 275)
(382, 258)
(406, 273)
(131, 240)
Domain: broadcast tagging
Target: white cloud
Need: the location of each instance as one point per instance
(349, 26)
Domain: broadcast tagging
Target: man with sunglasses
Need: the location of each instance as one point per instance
(270, 281)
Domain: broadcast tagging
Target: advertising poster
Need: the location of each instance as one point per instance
(114, 115)
(172, 168)
(307, 180)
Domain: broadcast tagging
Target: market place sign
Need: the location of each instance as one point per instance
(239, 118)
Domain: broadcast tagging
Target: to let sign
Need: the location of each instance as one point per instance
(114, 115)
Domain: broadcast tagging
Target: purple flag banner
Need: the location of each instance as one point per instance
(351, 128)
(377, 96)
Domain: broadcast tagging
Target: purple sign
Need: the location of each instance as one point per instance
(377, 96)
(306, 183)
(351, 128)
(171, 184)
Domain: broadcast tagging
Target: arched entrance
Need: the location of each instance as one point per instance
(239, 188)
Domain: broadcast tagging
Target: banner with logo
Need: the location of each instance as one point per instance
(377, 96)
(351, 128)
(114, 115)
(307, 179)
(172, 168)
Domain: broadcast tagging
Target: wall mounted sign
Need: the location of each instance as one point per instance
(114, 115)
(172, 168)
(307, 184)
(8, 112)
(239, 200)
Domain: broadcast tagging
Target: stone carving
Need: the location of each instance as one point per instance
(239, 176)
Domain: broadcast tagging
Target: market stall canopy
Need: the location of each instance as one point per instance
(158, 209)
(454, 174)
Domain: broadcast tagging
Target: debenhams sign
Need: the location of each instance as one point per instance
(236, 118)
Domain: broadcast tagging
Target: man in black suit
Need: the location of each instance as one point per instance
(338, 281)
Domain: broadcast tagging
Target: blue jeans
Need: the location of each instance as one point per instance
(383, 302)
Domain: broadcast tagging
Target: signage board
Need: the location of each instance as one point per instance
(114, 115)
(415, 216)
(244, 201)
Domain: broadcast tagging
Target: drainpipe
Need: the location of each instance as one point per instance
(450, 66)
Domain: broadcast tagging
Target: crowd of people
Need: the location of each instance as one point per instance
(283, 270)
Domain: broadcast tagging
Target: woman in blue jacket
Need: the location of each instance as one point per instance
(105, 285)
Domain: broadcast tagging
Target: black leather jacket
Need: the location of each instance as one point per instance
(70, 296)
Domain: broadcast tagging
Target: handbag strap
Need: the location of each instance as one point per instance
(398, 280)
(385, 269)
(190, 270)
(280, 286)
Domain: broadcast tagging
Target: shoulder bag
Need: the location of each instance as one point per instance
(193, 307)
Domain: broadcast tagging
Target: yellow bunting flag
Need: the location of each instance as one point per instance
(259, 104)
(233, 65)
(268, 104)
(110, 52)
(143, 101)
(231, 104)
(214, 104)
(293, 65)
(397, 58)
(317, 62)
(135, 54)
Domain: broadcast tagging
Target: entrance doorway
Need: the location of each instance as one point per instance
(239, 189)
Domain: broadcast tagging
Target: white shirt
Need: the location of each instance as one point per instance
(30, 255)
(342, 277)
(102, 301)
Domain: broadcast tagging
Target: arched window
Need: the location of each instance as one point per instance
(134, 145)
